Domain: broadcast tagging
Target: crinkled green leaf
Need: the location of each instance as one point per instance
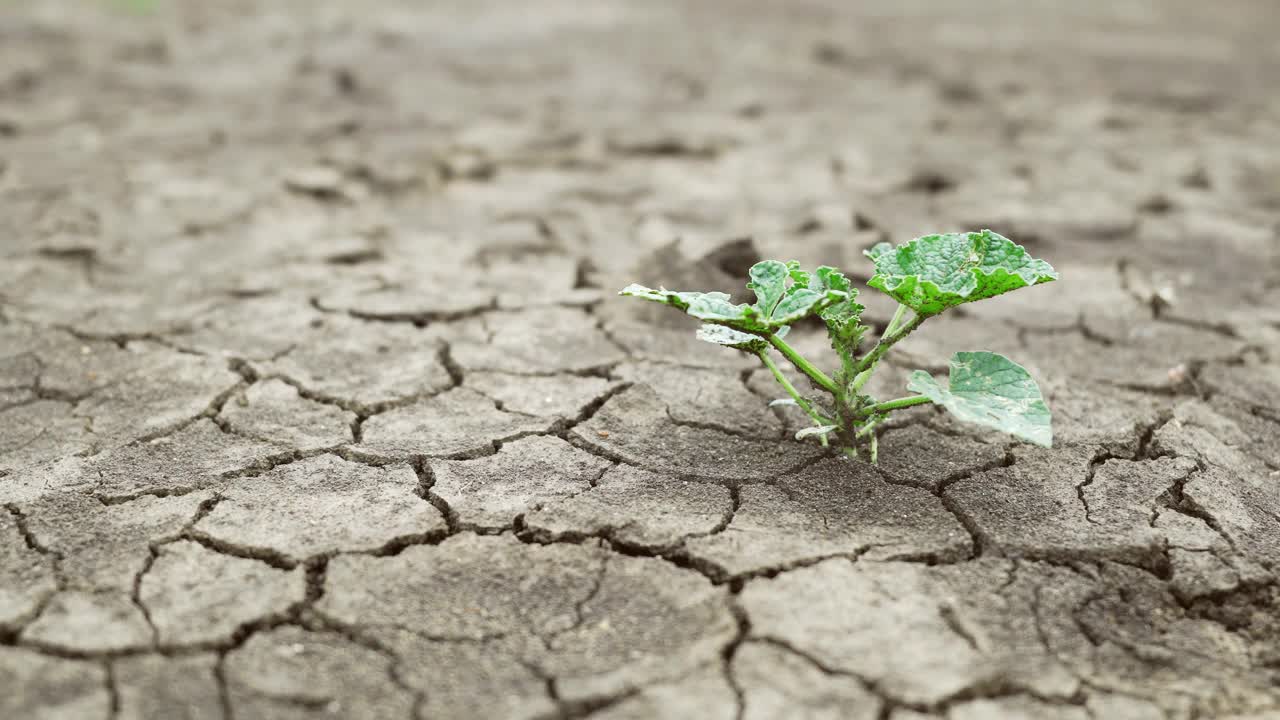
(991, 390)
(712, 307)
(782, 298)
(782, 304)
(799, 305)
(799, 278)
(721, 335)
(843, 318)
(829, 278)
(717, 308)
(844, 321)
(679, 300)
(935, 272)
(769, 282)
(815, 430)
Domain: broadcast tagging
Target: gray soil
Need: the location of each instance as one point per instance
(315, 399)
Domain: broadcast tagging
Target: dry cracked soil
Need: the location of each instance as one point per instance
(316, 400)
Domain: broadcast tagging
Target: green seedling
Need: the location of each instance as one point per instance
(926, 276)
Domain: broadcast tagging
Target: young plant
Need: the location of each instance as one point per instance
(926, 276)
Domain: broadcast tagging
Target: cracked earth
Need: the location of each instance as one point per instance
(316, 401)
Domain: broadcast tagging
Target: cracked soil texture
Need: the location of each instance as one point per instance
(316, 400)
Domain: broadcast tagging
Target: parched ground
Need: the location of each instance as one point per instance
(315, 399)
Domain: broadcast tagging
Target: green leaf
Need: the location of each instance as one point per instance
(712, 307)
(829, 278)
(679, 300)
(935, 272)
(782, 298)
(716, 308)
(782, 304)
(991, 390)
(844, 323)
(878, 250)
(798, 305)
(721, 335)
(844, 318)
(799, 278)
(769, 281)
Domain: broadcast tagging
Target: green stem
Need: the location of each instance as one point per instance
(818, 377)
(897, 319)
(860, 379)
(870, 430)
(791, 390)
(869, 360)
(891, 405)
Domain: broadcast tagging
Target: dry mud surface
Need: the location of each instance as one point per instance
(315, 400)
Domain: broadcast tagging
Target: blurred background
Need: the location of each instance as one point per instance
(168, 154)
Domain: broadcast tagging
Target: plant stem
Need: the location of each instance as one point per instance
(891, 405)
(818, 377)
(869, 360)
(870, 430)
(860, 379)
(862, 375)
(897, 319)
(791, 390)
(857, 376)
